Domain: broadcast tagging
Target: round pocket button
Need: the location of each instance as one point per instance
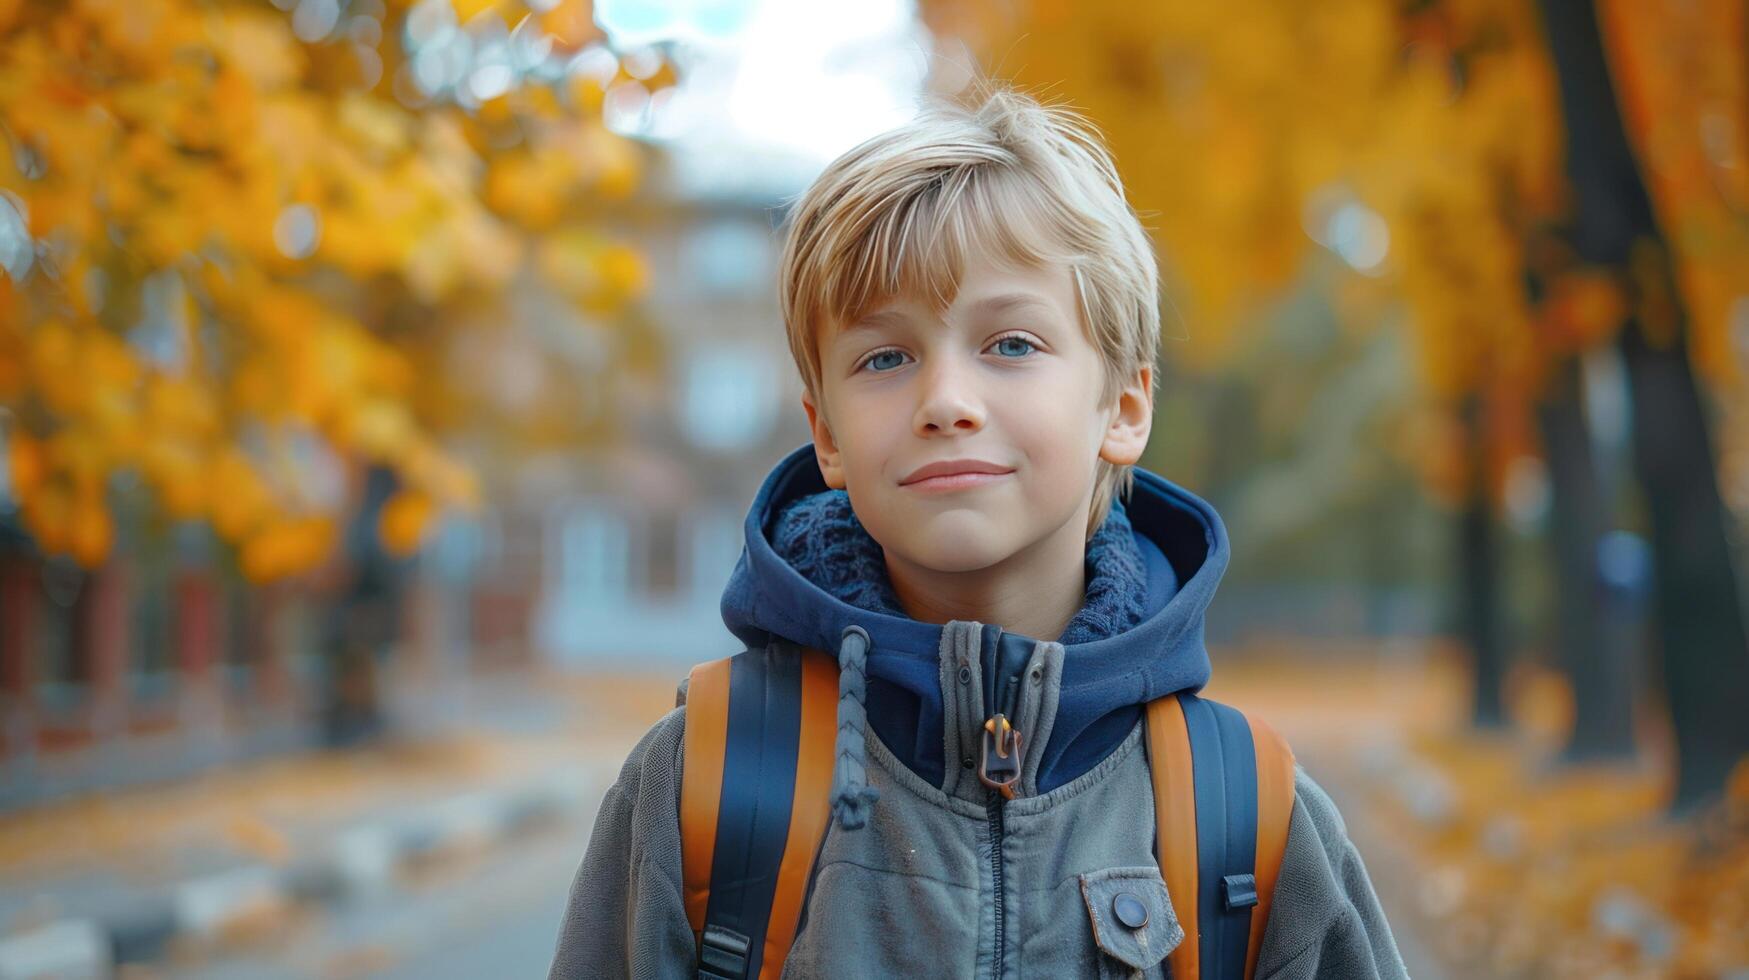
(1130, 910)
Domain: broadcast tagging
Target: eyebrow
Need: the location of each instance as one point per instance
(1000, 303)
(1004, 302)
(874, 321)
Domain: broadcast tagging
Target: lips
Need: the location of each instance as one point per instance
(954, 467)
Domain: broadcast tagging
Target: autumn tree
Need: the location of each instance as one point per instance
(234, 233)
(1617, 229)
(1423, 144)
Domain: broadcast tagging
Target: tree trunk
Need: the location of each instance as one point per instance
(1594, 647)
(1704, 655)
(1702, 646)
(1479, 579)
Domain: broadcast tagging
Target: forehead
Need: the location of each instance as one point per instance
(985, 289)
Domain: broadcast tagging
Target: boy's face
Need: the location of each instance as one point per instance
(1005, 377)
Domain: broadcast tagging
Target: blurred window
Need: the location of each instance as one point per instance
(728, 257)
(595, 559)
(713, 545)
(152, 657)
(61, 668)
(728, 397)
(661, 554)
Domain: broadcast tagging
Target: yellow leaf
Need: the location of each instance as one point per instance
(92, 532)
(48, 514)
(25, 464)
(405, 521)
(260, 44)
(241, 500)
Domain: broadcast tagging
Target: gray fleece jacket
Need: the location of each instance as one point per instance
(923, 873)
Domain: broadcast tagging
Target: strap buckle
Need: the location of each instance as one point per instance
(1239, 891)
(999, 768)
(722, 954)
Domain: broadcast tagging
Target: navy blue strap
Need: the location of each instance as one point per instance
(759, 777)
(1224, 772)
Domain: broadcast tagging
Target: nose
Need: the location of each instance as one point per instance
(949, 401)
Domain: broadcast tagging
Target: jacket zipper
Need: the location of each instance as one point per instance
(993, 804)
(1002, 700)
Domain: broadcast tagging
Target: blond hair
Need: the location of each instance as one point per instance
(1004, 176)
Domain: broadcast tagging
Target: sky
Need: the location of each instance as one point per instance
(771, 90)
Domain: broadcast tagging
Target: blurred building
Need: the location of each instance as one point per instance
(636, 558)
(166, 660)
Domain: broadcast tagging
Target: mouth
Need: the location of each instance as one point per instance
(955, 475)
(950, 469)
(956, 481)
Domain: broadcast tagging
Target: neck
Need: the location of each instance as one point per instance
(1035, 591)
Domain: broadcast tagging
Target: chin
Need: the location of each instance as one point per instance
(955, 549)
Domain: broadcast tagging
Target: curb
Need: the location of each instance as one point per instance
(361, 860)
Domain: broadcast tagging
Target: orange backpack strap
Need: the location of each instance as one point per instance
(755, 790)
(1223, 794)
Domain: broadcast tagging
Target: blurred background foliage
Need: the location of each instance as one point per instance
(373, 372)
(1475, 169)
(254, 232)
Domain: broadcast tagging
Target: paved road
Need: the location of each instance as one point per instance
(489, 916)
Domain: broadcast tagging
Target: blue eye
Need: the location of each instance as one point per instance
(1026, 346)
(874, 360)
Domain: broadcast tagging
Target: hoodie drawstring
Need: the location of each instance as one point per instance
(852, 796)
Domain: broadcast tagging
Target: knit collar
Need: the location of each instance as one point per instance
(821, 537)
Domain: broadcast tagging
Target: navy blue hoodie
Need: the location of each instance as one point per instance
(1182, 551)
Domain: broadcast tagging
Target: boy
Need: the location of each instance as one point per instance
(972, 305)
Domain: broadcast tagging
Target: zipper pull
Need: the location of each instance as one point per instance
(999, 768)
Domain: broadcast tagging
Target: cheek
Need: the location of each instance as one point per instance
(882, 413)
(865, 431)
(1060, 414)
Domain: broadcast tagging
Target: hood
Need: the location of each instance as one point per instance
(1183, 547)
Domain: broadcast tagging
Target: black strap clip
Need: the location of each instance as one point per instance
(1239, 891)
(723, 954)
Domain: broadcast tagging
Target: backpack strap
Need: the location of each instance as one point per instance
(1223, 794)
(755, 790)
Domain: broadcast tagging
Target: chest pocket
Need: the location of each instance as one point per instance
(1133, 923)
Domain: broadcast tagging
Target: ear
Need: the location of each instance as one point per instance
(1133, 417)
(825, 447)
